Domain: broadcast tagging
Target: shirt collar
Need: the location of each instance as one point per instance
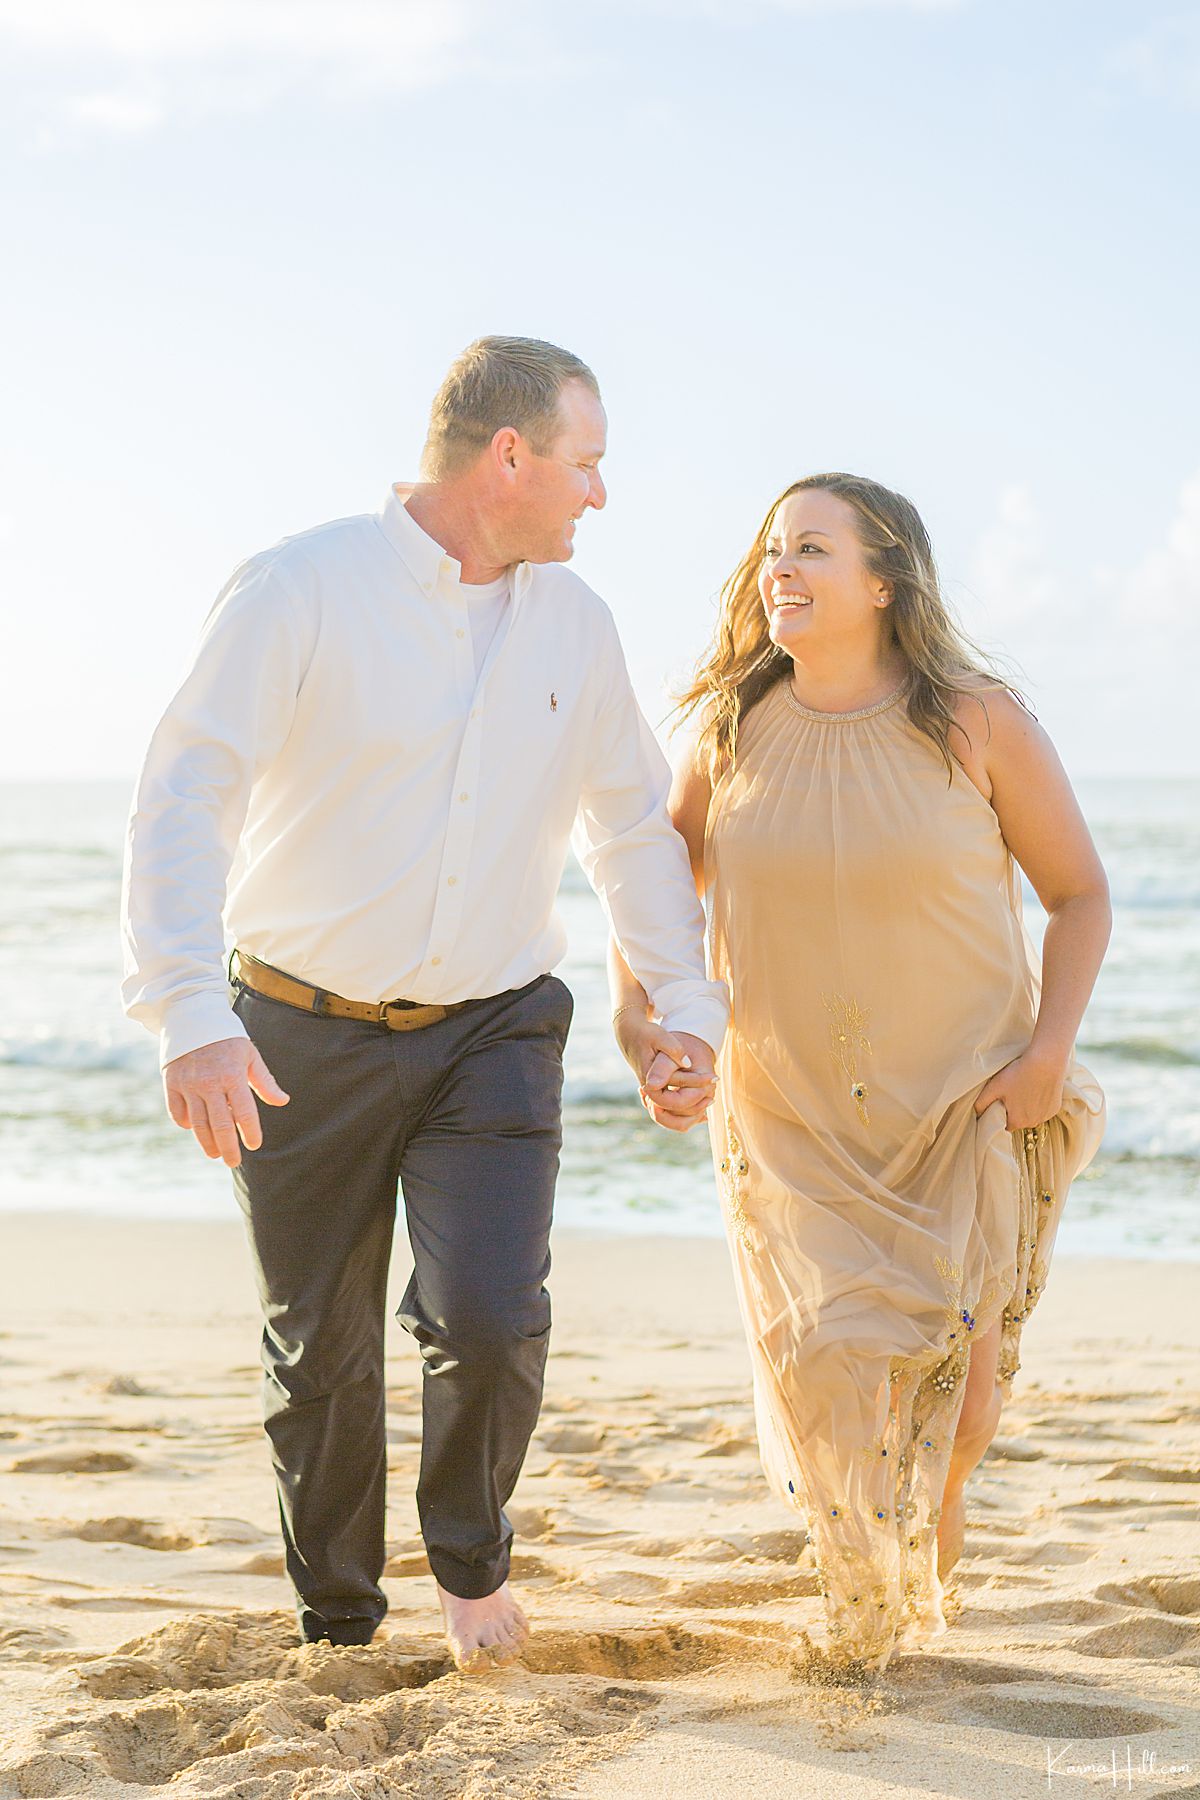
(422, 555)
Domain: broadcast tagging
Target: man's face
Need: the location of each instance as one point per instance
(554, 488)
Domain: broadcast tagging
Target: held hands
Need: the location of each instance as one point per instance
(210, 1092)
(1030, 1089)
(675, 1072)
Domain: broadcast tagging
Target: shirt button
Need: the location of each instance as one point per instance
(460, 632)
(464, 796)
(452, 881)
(437, 961)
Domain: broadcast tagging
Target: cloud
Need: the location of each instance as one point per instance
(1010, 581)
(151, 30)
(1015, 604)
(143, 61)
(1160, 599)
(1115, 647)
(395, 32)
(123, 67)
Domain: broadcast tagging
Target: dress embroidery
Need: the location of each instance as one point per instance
(875, 1550)
(1037, 1212)
(734, 1169)
(849, 1043)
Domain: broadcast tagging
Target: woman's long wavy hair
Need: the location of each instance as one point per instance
(742, 663)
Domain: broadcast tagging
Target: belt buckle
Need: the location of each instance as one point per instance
(392, 1013)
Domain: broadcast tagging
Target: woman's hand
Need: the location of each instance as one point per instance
(1030, 1088)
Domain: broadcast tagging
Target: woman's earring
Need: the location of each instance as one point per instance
(882, 600)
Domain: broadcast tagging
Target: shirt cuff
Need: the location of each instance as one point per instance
(705, 1018)
(194, 1021)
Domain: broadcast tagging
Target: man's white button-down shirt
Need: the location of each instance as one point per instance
(337, 787)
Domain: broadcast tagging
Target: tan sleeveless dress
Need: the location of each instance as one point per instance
(866, 915)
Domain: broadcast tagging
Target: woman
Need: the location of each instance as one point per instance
(898, 1111)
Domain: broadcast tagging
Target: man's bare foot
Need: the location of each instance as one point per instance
(483, 1634)
(951, 1530)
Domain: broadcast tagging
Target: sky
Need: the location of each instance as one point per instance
(950, 244)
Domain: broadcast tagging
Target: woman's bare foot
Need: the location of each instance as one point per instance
(951, 1530)
(483, 1634)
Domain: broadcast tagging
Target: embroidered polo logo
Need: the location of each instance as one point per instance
(554, 703)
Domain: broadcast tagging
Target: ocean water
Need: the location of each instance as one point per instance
(82, 1124)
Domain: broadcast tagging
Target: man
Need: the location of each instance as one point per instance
(393, 727)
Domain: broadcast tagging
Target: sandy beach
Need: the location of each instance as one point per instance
(147, 1643)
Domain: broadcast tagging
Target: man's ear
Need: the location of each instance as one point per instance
(507, 449)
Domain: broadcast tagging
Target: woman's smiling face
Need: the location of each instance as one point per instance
(814, 582)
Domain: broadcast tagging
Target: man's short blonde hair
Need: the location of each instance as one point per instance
(494, 382)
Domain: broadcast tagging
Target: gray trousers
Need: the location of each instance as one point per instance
(465, 1117)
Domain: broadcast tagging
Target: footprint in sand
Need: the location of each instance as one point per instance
(1165, 1624)
(74, 1462)
(751, 1592)
(1146, 1637)
(920, 1670)
(1165, 1593)
(756, 1586)
(642, 1652)
(730, 1446)
(611, 1475)
(122, 1603)
(709, 1428)
(1043, 1612)
(535, 1524)
(535, 1568)
(406, 1564)
(1102, 1503)
(572, 1440)
(234, 1531)
(721, 1550)
(1174, 1415)
(409, 1565)
(1013, 1450)
(772, 1546)
(628, 1587)
(1054, 1719)
(973, 1578)
(30, 1643)
(1144, 1471)
(1047, 1556)
(147, 1534)
(264, 1564)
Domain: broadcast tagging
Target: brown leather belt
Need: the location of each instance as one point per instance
(397, 1015)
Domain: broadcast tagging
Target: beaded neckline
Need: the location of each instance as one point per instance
(841, 718)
